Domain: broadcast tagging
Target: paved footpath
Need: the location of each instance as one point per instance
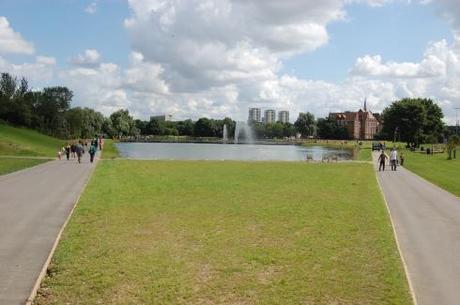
(34, 204)
(427, 224)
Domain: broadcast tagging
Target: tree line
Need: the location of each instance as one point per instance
(49, 111)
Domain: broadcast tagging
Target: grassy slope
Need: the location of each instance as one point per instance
(437, 169)
(8, 165)
(110, 151)
(26, 142)
(164, 232)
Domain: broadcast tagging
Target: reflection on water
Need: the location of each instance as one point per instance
(190, 151)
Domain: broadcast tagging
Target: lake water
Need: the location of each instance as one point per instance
(191, 151)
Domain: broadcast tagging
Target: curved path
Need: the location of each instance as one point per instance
(34, 205)
(426, 219)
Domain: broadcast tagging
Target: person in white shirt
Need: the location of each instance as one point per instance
(393, 159)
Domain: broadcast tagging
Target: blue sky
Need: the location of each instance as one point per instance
(191, 59)
(398, 32)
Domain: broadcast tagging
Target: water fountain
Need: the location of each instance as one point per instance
(225, 134)
(242, 127)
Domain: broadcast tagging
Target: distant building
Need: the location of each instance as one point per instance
(362, 124)
(254, 115)
(283, 116)
(163, 117)
(269, 116)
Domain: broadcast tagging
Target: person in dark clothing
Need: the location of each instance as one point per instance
(401, 159)
(73, 150)
(67, 151)
(79, 151)
(92, 152)
(381, 161)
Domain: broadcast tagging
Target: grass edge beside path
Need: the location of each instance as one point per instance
(186, 232)
(435, 169)
(110, 150)
(10, 165)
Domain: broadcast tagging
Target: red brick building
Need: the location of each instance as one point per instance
(362, 124)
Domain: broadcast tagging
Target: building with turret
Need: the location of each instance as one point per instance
(362, 124)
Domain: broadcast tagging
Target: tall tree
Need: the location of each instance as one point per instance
(412, 120)
(305, 124)
(204, 127)
(155, 127)
(122, 122)
(185, 128)
(328, 129)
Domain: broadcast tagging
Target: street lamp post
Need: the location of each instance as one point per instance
(456, 119)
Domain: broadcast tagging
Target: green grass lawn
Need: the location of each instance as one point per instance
(171, 232)
(27, 142)
(8, 165)
(110, 151)
(436, 169)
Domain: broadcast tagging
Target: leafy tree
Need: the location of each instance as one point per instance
(328, 129)
(185, 128)
(155, 127)
(122, 122)
(305, 124)
(413, 120)
(289, 130)
(204, 127)
(107, 128)
(142, 126)
(452, 144)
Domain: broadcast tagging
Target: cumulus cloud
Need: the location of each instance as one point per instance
(91, 8)
(11, 41)
(42, 71)
(437, 75)
(89, 57)
(216, 58)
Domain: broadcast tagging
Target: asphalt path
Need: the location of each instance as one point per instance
(34, 205)
(426, 219)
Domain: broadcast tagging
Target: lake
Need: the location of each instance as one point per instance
(192, 151)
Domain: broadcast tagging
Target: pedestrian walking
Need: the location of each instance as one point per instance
(393, 159)
(79, 151)
(401, 159)
(92, 152)
(67, 152)
(101, 142)
(73, 150)
(381, 160)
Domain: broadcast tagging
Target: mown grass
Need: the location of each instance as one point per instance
(172, 232)
(436, 169)
(27, 142)
(110, 150)
(9, 165)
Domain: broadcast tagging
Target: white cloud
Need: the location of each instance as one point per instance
(11, 41)
(91, 8)
(232, 56)
(437, 75)
(216, 58)
(90, 57)
(42, 71)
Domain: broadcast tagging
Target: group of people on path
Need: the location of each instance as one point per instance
(76, 149)
(394, 160)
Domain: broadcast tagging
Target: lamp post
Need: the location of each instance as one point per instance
(396, 133)
(456, 119)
